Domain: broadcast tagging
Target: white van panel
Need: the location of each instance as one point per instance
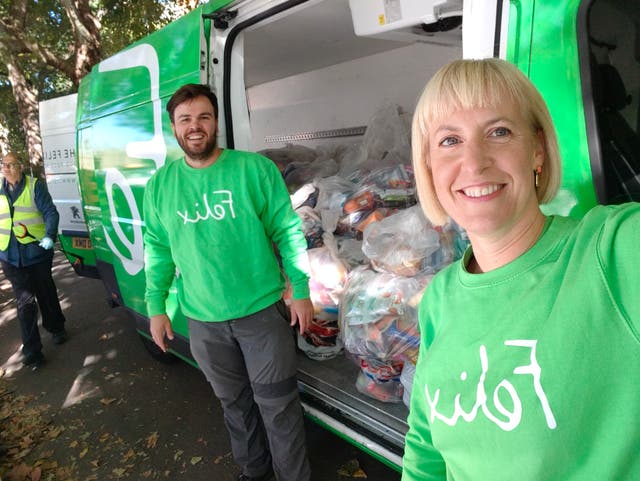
(57, 127)
(337, 95)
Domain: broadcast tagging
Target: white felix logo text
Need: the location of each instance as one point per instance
(511, 419)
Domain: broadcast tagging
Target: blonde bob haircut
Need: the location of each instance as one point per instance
(469, 84)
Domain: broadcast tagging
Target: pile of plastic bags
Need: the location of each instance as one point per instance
(372, 251)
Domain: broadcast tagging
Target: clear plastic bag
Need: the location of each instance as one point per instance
(386, 142)
(401, 243)
(406, 378)
(297, 174)
(306, 195)
(328, 276)
(378, 314)
(350, 252)
(332, 192)
(311, 226)
(288, 154)
(321, 340)
(405, 243)
(380, 380)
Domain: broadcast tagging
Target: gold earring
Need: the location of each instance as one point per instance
(536, 176)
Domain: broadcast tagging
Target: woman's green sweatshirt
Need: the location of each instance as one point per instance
(215, 229)
(530, 372)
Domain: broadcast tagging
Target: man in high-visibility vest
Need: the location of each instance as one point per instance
(28, 227)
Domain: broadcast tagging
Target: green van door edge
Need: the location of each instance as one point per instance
(547, 52)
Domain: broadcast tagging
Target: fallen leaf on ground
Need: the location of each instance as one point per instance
(25, 433)
(36, 474)
(352, 469)
(131, 454)
(55, 432)
(152, 439)
(119, 472)
(219, 459)
(19, 472)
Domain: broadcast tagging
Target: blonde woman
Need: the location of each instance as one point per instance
(530, 343)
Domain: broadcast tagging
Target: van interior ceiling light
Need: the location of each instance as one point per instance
(404, 19)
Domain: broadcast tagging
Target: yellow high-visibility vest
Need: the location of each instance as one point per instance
(25, 213)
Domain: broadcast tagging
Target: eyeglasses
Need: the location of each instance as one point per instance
(9, 165)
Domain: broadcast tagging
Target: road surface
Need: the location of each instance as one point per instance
(102, 408)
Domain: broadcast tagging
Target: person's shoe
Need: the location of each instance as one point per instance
(34, 360)
(268, 476)
(60, 337)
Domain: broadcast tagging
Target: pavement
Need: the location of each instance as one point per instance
(101, 408)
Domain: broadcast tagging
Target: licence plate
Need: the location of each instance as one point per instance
(81, 243)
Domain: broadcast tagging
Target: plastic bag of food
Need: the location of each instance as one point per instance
(321, 341)
(380, 380)
(328, 276)
(406, 378)
(288, 154)
(333, 192)
(297, 174)
(350, 252)
(386, 142)
(306, 195)
(311, 226)
(378, 314)
(453, 243)
(386, 339)
(401, 243)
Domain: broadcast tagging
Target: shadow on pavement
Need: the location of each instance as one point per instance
(101, 408)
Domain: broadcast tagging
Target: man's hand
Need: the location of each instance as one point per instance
(302, 313)
(46, 243)
(160, 327)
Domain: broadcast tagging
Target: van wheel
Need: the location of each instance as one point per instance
(156, 352)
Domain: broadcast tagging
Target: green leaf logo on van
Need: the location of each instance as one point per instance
(129, 248)
(143, 55)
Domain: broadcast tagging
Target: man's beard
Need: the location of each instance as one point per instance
(200, 154)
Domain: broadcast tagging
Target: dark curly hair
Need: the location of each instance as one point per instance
(189, 92)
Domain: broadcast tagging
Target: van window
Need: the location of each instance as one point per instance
(613, 49)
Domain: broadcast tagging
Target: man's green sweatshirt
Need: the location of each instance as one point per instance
(216, 227)
(530, 372)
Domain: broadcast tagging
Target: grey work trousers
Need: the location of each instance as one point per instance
(251, 364)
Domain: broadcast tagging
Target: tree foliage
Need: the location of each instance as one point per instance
(47, 46)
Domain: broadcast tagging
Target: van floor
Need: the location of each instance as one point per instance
(334, 380)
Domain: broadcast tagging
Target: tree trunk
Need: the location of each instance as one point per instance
(4, 138)
(86, 32)
(85, 53)
(27, 102)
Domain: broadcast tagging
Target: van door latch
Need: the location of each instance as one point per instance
(221, 19)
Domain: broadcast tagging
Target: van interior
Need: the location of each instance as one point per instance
(304, 89)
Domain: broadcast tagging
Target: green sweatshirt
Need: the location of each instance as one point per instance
(217, 226)
(531, 372)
